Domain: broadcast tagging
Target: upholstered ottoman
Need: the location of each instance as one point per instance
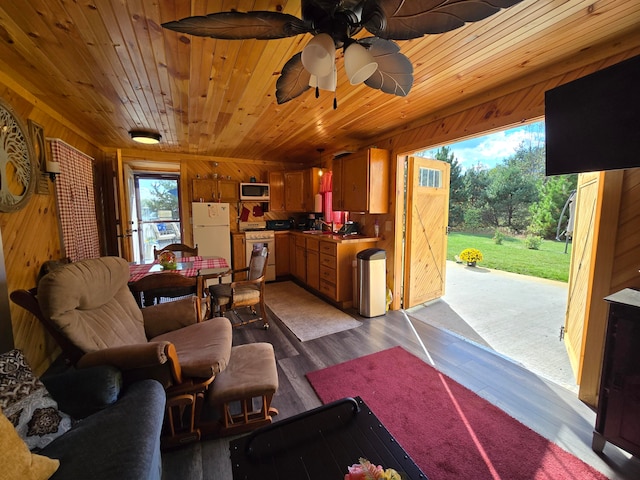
(244, 390)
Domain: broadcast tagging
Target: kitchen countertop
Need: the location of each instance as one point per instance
(332, 237)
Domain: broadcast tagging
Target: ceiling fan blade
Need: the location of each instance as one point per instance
(261, 25)
(404, 20)
(293, 81)
(395, 72)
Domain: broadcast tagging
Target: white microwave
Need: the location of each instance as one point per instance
(254, 192)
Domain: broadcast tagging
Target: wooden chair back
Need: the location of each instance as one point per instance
(258, 264)
(155, 287)
(180, 249)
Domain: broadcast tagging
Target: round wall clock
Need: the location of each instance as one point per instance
(17, 170)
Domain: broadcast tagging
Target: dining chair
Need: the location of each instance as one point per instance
(180, 249)
(239, 293)
(162, 287)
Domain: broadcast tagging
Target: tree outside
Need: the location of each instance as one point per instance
(159, 199)
(514, 196)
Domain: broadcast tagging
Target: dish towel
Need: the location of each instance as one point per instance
(257, 211)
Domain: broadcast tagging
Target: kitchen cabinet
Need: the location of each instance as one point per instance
(337, 278)
(282, 254)
(215, 190)
(276, 191)
(294, 191)
(238, 254)
(300, 268)
(617, 420)
(361, 181)
(300, 188)
(329, 270)
(325, 263)
(313, 262)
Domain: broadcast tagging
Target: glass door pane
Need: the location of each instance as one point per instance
(158, 212)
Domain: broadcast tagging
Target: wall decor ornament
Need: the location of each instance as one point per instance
(40, 156)
(17, 169)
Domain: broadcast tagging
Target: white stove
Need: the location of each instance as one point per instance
(256, 235)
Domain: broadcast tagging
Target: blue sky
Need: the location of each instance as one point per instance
(489, 150)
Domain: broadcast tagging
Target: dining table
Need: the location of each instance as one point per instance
(187, 266)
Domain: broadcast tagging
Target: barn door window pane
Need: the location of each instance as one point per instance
(428, 177)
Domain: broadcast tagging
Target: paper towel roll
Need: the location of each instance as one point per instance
(317, 204)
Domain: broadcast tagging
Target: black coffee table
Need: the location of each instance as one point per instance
(319, 445)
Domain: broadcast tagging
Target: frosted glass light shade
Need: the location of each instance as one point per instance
(358, 63)
(319, 56)
(328, 82)
(148, 138)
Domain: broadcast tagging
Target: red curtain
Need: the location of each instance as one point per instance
(326, 188)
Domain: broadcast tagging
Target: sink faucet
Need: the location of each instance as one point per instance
(330, 225)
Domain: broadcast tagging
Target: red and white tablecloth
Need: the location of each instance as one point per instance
(137, 271)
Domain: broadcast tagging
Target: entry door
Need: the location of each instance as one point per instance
(427, 217)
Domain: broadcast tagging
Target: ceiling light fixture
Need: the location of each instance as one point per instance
(147, 138)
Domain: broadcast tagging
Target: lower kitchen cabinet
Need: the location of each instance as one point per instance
(300, 269)
(326, 265)
(238, 254)
(283, 266)
(313, 262)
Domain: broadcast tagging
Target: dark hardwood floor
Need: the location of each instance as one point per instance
(549, 409)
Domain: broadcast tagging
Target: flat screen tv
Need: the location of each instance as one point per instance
(593, 123)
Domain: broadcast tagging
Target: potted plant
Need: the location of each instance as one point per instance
(471, 256)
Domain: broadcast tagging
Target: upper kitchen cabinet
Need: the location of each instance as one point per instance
(300, 189)
(361, 181)
(276, 188)
(215, 190)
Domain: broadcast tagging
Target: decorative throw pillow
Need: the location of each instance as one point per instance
(27, 403)
(16, 459)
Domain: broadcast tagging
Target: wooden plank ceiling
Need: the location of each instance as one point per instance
(107, 66)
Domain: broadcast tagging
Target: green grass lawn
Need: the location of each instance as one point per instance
(549, 261)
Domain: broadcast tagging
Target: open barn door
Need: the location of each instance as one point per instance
(427, 217)
(580, 271)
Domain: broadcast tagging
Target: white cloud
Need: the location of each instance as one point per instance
(490, 150)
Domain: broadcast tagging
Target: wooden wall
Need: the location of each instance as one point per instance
(197, 166)
(31, 235)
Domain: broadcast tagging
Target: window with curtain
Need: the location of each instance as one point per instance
(76, 202)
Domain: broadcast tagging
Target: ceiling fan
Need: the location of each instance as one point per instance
(376, 60)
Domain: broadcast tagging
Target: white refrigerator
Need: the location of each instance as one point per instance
(211, 230)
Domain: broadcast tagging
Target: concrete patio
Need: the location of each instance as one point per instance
(516, 315)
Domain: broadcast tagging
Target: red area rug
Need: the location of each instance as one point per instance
(448, 430)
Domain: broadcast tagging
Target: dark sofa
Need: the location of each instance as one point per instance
(116, 434)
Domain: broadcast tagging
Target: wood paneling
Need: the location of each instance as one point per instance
(31, 236)
(108, 67)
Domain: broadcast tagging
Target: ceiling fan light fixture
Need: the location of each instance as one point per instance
(147, 138)
(358, 63)
(319, 56)
(328, 82)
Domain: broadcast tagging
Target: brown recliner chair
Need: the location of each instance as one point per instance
(89, 307)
